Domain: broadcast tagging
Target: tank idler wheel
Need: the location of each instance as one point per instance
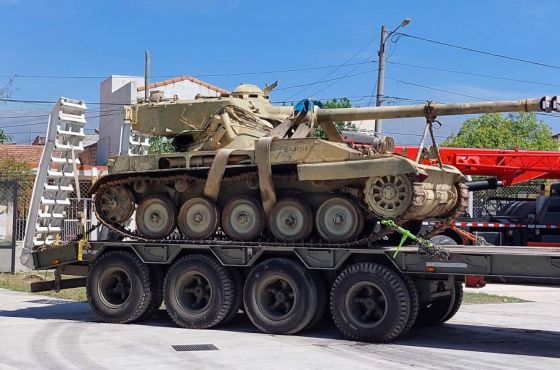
(115, 204)
(290, 220)
(388, 196)
(243, 218)
(198, 218)
(198, 292)
(156, 217)
(338, 219)
(280, 296)
(370, 302)
(118, 287)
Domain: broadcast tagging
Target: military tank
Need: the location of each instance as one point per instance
(245, 170)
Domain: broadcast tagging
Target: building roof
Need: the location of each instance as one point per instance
(30, 154)
(183, 78)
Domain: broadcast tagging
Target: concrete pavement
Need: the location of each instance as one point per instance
(41, 332)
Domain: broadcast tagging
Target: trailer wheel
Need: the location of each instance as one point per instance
(440, 310)
(280, 296)
(118, 287)
(370, 302)
(237, 295)
(198, 292)
(322, 299)
(157, 277)
(414, 302)
(456, 302)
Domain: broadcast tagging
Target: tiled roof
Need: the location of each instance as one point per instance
(183, 78)
(22, 153)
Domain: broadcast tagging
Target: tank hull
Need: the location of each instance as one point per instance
(323, 185)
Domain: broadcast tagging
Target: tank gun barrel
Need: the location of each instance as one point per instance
(546, 104)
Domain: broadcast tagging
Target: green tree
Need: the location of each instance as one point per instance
(160, 144)
(3, 137)
(335, 103)
(496, 131)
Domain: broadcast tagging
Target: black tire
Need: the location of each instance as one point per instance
(322, 298)
(383, 288)
(442, 309)
(414, 303)
(237, 295)
(118, 287)
(157, 276)
(456, 302)
(267, 299)
(206, 289)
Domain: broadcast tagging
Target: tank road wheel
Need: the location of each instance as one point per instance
(115, 204)
(198, 292)
(338, 219)
(280, 296)
(155, 217)
(388, 196)
(198, 218)
(369, 302)
(290, 220)
(118, 287)
(243, 218)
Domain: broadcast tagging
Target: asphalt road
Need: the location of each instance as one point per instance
(41, 332)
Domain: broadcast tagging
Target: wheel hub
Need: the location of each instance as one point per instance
(389, 192)
(198, 217)
(290, 221)
(338, 219)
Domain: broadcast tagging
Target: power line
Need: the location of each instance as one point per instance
(474, 74)
(457, 93)
(324, 81)
(480, 51)
(345, 63)
(225, 74)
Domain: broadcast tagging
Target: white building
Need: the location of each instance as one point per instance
(117, 91)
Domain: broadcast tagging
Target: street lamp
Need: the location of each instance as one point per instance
(381, 69)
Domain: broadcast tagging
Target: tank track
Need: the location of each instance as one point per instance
(221, 239)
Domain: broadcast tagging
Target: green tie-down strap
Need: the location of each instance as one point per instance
(424, 246)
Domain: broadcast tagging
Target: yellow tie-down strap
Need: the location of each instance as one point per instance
(83, 242)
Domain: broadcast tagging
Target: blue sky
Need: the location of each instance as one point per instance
(99, 38)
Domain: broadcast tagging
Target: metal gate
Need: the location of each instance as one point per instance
(8, 210)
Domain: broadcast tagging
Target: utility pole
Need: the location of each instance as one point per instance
(147, 76)
(380, 77)
(381, 69)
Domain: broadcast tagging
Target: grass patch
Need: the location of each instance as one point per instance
(20, 282)
(483, 298)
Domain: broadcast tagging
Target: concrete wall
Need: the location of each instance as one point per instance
(117, 91)
(6, 259)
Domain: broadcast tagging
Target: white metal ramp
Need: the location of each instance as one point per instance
(57, 176)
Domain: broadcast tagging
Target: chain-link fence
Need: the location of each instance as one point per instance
(74, 212)
(8, 205)
(489, 202)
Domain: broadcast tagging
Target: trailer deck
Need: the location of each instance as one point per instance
(490, 261)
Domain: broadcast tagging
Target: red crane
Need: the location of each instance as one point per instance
(510, 166)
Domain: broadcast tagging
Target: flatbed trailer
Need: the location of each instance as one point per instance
(374, 294)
